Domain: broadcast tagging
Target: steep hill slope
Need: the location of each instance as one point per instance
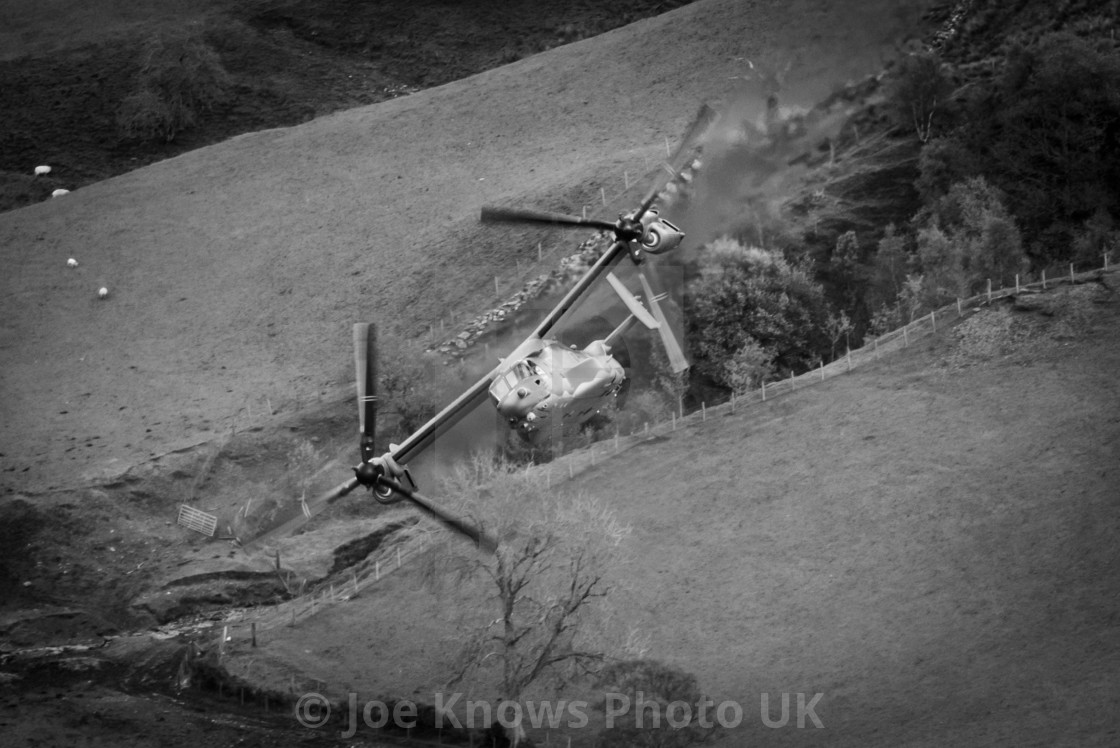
(927, 543)
(234, 271)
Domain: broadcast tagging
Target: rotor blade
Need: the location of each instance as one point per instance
(677, 360)
(365, 364)
(632, 303)
(605, 263)
(423, 437)
(704, 117)
(492, 214)
(304, 514)
(453, 521)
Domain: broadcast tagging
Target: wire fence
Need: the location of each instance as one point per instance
(244, 625)
(572, 463)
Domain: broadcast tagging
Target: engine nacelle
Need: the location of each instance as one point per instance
(660, 235)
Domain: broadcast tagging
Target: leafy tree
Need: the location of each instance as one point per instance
(847, 270)
(654, 705)
(1049, 136)
(1097, 239)
(903, 309)
(942, 162)
(748, 368)
(918, 93)
(970, 238)
(889, 267)
(746, 293)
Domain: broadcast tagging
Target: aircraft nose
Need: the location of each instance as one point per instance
(522, 392)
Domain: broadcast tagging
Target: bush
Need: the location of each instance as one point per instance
(180, 76)
(746, 294)
(748, 367)
(653, 693)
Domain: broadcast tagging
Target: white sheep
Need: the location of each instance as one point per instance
(60, 192)
(41, 170)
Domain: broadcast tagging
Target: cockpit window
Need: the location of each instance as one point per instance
(522, 370)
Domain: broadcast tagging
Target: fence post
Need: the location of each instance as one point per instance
(1016, 283)
(1043, 279)
(876, 349)
(989, 290)
(1071, 272)
(933, 320)
(906, 336)
(792, 385)
(822, 369)
(763, 390)
(958, 306)
(703, 411)
(674, 417)
(849, 359)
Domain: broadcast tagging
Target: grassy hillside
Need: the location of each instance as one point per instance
(927, 542)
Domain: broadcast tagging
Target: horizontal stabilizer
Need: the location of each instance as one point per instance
(632, 303)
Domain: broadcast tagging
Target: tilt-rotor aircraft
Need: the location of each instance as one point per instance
(542, 388)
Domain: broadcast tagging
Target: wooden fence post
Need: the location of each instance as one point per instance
(989, 290)
(1043, 279)
(1016, 283)
(933, 320)
(1071, 272)
(822, 369)
(849, 359)
(906, 337)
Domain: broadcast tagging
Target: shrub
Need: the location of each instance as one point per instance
(748, 367)
(663, 707)
(746, 293)
(179, 78)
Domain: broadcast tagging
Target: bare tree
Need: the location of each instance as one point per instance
(545, 579)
